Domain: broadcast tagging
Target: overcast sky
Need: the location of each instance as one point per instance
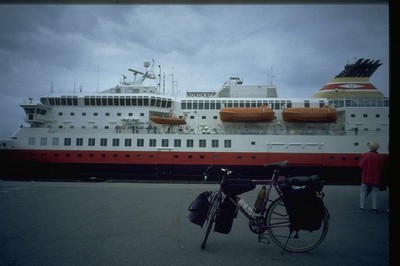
(92, 46)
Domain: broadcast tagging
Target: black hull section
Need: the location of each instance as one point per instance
(170, 173)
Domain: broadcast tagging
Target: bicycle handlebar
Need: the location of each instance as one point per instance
(225, 171)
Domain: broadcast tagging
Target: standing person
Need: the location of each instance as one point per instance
(371, 164)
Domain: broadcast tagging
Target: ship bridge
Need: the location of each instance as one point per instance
(35, 112)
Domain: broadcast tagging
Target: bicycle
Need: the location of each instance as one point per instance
(272, 219)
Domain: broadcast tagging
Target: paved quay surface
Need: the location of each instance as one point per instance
(78, 223)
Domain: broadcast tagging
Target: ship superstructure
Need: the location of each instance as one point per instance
(134, 131)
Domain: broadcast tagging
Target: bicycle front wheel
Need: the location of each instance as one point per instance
(278, 226)
(211, 216)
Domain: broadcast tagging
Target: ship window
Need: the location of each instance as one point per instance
(122, 101)
(115, 142)
(51, 100)
(206, 105)
(140, 142)
(60, 113)
(203, 117)
(164, 143)
(195, 104)
(158, 102)
(176, 156)
(118, 114)
(91, 141)
(191, 117)
(128, 142)
(169, 104)
(95, 114)
(202, 143)
(253, 104)
(214, 143)
(253, 143)
(215, 117)
(212, 105)
(67, 142)
(86, 100)
(107, 114)
(276, 105)
(103, 142)
(63, 101)
(289, 104)
(141, 114)
(110, 101)
(152, 142)
(189, 105)
(152, 101)
(306, 103)
(377, 115)
(356, 144)
(365, 115)
(239, 157)
(72, 114)
(104, 101)
(189, 143)
(57, 101)
(227, 143)
(55, 141)
(201, 105)
(321, 104)
(230, 104)
(134, 101)
(164, 103)
(92, 101)
(218, 105)
(146, 101)
(139, 101)
(235, 104)
(43, 141)
(253, 157)
(201, 156)
(79, 141)
(190, 156)
(116, 101)
(128, 101)
(177, 143)
(98, 101)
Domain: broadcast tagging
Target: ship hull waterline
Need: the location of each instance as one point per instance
(165, 168)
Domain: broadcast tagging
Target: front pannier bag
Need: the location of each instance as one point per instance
(303, 201)
(199, 207)
(225, 216)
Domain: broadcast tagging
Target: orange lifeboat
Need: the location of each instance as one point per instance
(310, 114)
(169, 120)
(247, 114)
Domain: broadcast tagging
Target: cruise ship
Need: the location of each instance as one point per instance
(136, 131)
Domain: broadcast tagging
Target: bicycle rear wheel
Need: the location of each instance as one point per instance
(211, 215)
(278, 226)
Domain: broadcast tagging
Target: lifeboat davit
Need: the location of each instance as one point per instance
(247, 114)
(310, 114)
(169, 120)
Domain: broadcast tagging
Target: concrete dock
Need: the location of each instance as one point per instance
(84, 223)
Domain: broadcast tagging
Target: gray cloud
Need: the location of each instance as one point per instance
(304, 46)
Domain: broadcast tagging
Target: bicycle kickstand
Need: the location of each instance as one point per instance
(262, 238)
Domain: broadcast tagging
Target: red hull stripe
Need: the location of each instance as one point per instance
(181, 158)
(349, 86)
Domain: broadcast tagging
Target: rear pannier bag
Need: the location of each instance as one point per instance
(303, 201)
(199, 207)
(233, 187)
(225, 216)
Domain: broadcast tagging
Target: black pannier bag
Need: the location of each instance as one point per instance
(303, 201)
(225, 216)
(233, 187)
(199, 207)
